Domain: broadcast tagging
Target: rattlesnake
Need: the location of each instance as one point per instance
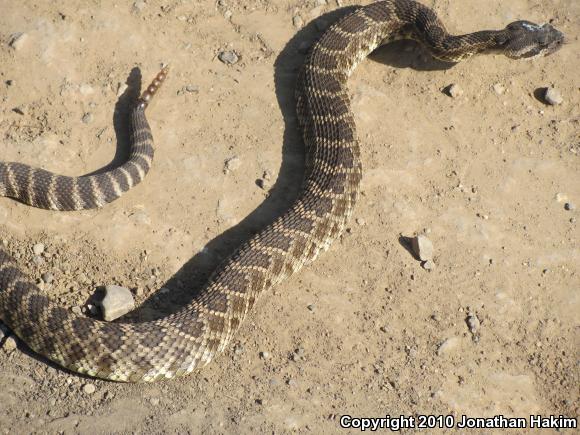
(190, 338)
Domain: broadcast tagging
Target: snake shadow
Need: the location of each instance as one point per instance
(121, 122)
(188, 281)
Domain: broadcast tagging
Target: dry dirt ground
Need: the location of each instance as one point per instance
(486, 175)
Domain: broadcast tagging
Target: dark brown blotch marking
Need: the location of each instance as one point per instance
(83, 327)
(275, 239)
(377, 12)
(320, 206)
(334, 40)
(251, 258)
(218, 302)
(112, 336)
(234, 280)
(298, 223)
(353, 24)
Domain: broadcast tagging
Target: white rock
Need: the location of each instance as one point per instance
(89, 388)
(10, 344)
(448, 345)
(117, 302)
(423, 248)
(553, 97)
(17, 40)
(232, 164)
(38, 249)
(498, 89)
(455, 91)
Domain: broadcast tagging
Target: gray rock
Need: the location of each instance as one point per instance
(228, 57)
(553, 97)
(569, 206)
(47, 277)
(423, 248)
(117, 302)
(192, 88)
(38, 249)
(264, 354)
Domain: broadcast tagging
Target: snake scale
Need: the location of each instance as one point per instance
(190, 338)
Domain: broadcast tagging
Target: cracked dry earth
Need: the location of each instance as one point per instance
(487, 174)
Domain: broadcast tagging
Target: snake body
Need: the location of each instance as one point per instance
(190, 338)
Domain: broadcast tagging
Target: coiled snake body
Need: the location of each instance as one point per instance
(190, 338)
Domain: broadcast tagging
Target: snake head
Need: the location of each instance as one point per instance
(526, 40)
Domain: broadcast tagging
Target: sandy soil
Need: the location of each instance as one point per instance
(360, 331)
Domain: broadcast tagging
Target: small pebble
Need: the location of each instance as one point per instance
(38, 249)
(10, 344)
(447, 346)
(263, 184)
(498, 89)
(89, 388)
(232, 164)
(192, 88)
(264, 354)
(228, 57)
(88, 118)
(117, 301)
(77, 310)
(297, 21)
(361, 222)
(423, 247)
(472, 323)
(17, 40)
(454, 91)
(311, 307)
(429, 265)
(553, 97)
(239, 348)
(569, 206)
(47, 277)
